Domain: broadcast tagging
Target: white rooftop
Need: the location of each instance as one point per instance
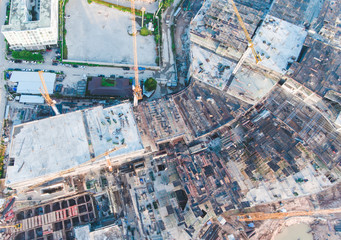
(29, 82)
(278, 42)
(31, 99)
(47, 146)
(59, 143)
(21, 19)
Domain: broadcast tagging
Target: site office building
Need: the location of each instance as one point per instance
(33, 24)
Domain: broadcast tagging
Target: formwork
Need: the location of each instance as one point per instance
(55, 220)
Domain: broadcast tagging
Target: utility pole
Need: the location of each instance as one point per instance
(143, 10)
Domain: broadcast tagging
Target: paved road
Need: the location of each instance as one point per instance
(3, 98)
(73, 75)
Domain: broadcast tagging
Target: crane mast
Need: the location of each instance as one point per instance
(137, 88)
(44, 92)
(105, 154)
(258, 216)
(251, 45)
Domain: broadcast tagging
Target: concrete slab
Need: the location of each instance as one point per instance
(210, 68)
(47, 146)
(250, 85)
(278, 43)
(111, 127)
(98, 33)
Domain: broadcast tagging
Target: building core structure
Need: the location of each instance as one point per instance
(33, 25)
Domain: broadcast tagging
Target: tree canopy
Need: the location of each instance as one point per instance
(150, 84)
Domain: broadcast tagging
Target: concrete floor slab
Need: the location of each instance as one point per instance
(100, 34)
(47, 146)
(278, 42)
(111, 127)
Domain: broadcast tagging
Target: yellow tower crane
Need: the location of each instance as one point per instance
(16, 226)
(258, 216)
(60, 174)
(251, 45)
(46, 95)
(137, 88)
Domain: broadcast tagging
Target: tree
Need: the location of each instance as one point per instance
(167, 3)
(150, 84)
(144, 31)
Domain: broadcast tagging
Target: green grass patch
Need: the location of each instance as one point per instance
(62, 30)
(2, 156)
(28, 56)
(118, 7)
(106, 82)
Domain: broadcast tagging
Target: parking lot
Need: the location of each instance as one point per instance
(100, 34)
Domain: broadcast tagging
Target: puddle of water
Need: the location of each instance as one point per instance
(295, 232)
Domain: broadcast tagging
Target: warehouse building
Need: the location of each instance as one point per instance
(30, 83)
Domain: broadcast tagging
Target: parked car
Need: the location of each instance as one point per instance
(18, 61)
(58, 88)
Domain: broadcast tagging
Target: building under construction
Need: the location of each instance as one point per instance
(54, 220)
(69, 144)
(216, 26)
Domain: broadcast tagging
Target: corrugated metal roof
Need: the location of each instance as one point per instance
(31, 99)
(29, 82)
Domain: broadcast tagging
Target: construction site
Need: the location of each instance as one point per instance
(249, 149)
(55, 220)
(216, 28)
(70, 147)
(205, 108)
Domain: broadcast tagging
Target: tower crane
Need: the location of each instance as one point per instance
(250, 47)
(16, 226)
(45, 94)
(240, 20)
(258, 216)
(137, 88)
(105, 154)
